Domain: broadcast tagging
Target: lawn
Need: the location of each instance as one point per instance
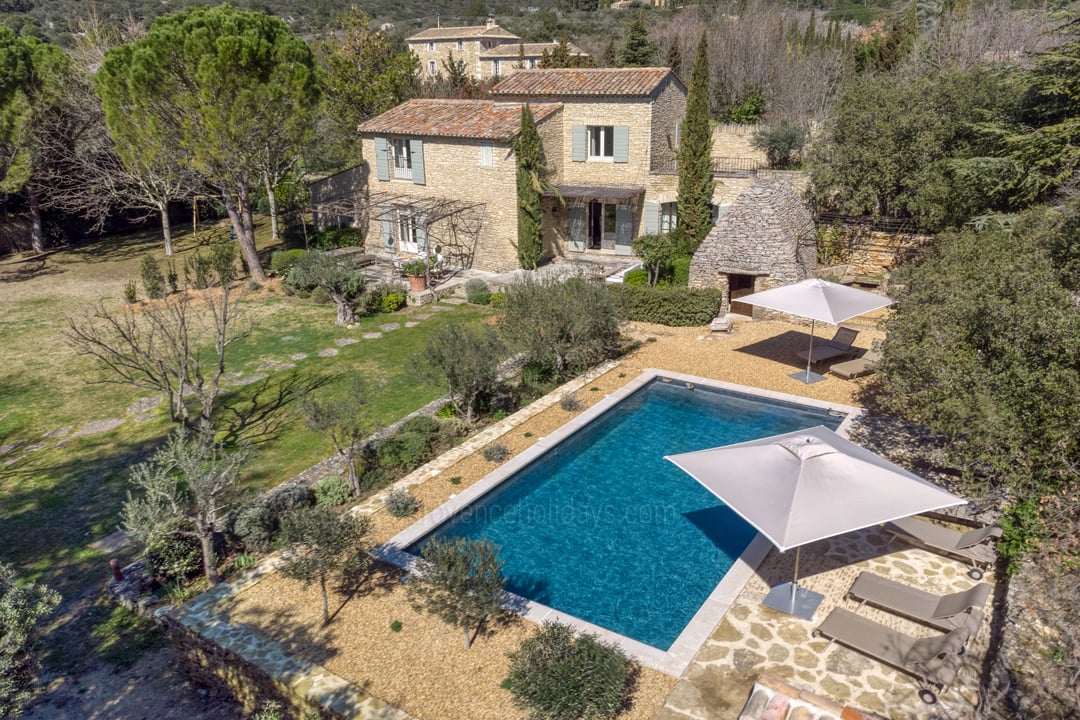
(61, 490)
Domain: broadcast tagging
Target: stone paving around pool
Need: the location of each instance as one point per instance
(752, 639)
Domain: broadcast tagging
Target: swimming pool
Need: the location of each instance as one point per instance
(596, 525)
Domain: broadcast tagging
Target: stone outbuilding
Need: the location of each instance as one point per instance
(764, 240)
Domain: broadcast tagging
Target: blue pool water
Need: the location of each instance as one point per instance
(603, 528)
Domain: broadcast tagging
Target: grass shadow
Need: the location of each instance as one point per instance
(252, 414)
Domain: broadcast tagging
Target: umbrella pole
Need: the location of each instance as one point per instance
(809, 358)
(795, 581)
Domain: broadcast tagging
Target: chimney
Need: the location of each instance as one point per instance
(490, 21)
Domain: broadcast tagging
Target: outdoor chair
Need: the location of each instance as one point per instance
(970, 546)
(943, 612)
(838, 346)
(934, 661)
(851, 369)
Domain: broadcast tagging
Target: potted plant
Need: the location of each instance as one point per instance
(416, 271)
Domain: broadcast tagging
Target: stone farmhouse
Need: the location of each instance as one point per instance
(442, 173)
(487, 51)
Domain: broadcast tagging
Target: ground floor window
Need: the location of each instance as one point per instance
(668, 217)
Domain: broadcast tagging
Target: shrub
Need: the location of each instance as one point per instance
(198, 271)
(172, 556)
(243, 560)
(333, 490)
(557, 677)
(131, 293)
(172, 277)
(392, 302)
(422, 424)
(395, 626)
(637, 276)
(495, 453)
(477, 292)
(320, 297)
(680, 271)
(401, 503)
(446, 411)
(282, 260)
(382, 298)
(405, 450)
(570, 403)
(498, 299)
(451, 429)
(673, 306)
(337, 237)
(152, 279)
(254, 525)
(290, 497)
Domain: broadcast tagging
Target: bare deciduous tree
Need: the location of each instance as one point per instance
(159, 346)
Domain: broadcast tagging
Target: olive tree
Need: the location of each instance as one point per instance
(561, 326)
(344, 419)
(335, 275)
(22, 608)
(188, 488)
(460, 580)
(467, 358)
(321, 544)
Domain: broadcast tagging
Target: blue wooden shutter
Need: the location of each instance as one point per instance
(576, 226)
(387, 214)
(652, 217)
(580, 137)
(624, 229)
(416, 149)
(382, 159)
(421, 234)
(622, 143)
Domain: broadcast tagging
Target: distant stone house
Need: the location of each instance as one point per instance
(764, 240)
(487, 51)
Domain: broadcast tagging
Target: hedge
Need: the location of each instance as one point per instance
(673, 306)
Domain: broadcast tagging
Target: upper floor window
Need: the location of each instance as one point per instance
(432, 68)
(496, 68)
(601, 142)
(431, 47)
(487, 154)
(532, 63)
(401, 155)
(460, 45)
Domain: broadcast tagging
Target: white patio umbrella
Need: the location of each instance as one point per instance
(818, 300)
(809, 485)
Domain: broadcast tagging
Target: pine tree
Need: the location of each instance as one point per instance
(530, 181)
(639, 50)
(695, 155)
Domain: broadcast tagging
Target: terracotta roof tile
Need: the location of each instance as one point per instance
(480, 119)
(583, 81)
(461, 33)
(511, 50)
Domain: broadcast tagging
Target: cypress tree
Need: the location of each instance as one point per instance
(530, 245)
(695, 155)
(674, 58)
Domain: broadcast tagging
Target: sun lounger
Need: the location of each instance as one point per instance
(838, 346)
(969, 546)
(944, 612)
(935, 661)
(851, 369)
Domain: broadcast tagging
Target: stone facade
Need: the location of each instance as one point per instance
(434, 46)
(643, 179)
(765, 240)
(480, 176)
